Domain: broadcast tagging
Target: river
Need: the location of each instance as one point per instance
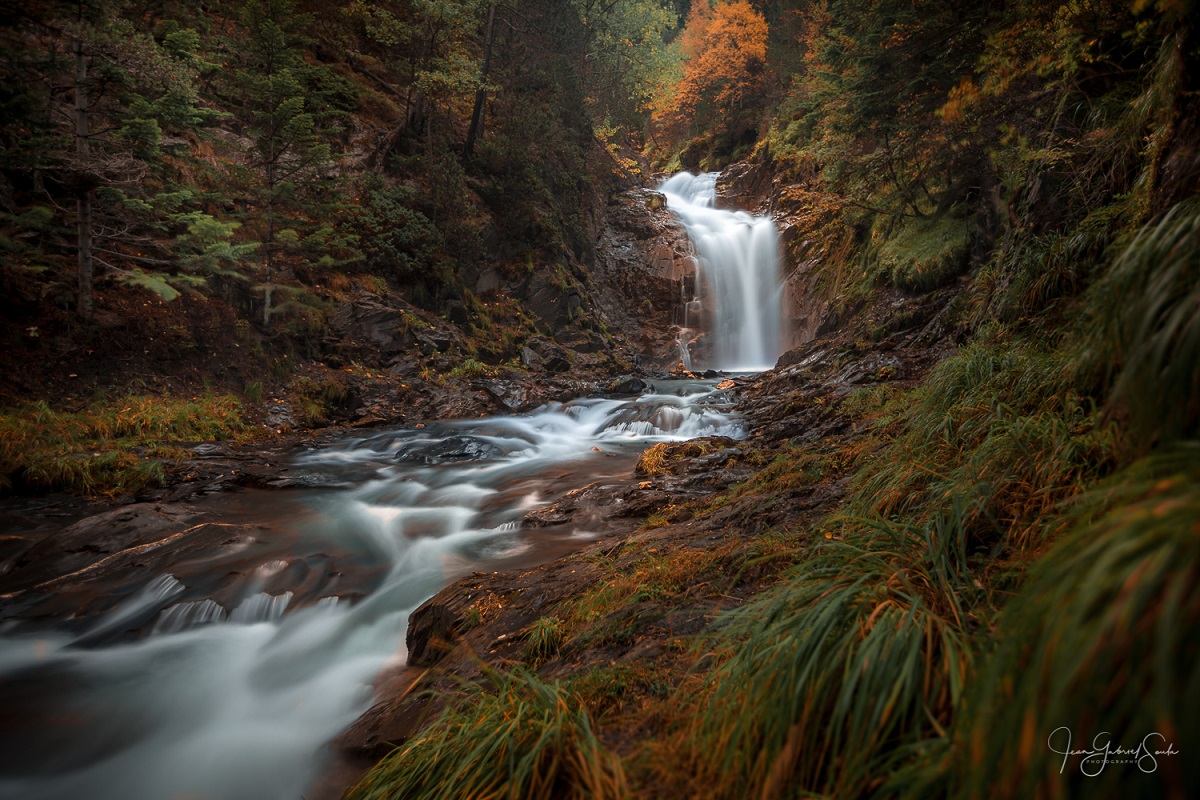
(228, 676)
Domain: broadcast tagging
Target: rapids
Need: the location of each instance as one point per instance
(186, 691)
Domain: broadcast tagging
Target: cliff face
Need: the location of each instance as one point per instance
(644, 272)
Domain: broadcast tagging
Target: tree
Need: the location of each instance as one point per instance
(90, 100)
(723, 49)
(288, 150)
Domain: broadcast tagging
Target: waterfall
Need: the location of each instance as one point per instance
(737, 260)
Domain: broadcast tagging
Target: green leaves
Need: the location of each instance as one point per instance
(207, 246)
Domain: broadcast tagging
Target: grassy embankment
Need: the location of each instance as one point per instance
(109, 447)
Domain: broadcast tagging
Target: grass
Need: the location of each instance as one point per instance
(109, 447)
(1144, 331)
(665, 458)
(543, 639)
(1101, 638)
(522, 740)
(317, 401)
(470, 368)
(997, 429)
(851, 667)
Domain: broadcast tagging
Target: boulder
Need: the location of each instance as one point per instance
(626, 385)
(371, 323)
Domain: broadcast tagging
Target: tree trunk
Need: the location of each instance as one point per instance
(84, 303)
(270, 246)
(480, 93)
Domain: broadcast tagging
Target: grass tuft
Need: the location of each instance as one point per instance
(543, 639)
(846, 672)
(519, 739)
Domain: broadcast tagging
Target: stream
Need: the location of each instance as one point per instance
(229, 675)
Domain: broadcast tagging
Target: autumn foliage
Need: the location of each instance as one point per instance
(724, 51)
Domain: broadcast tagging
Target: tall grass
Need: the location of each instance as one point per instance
(849, 671)
(519, 739)
(998, 430)
(92, 451)
(1100, 639)
(1145, 329)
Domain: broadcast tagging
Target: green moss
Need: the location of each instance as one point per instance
(925, 254)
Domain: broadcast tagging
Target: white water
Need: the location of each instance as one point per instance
(738, 258)
(239, 701)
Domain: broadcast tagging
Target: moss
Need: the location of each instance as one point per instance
(925, 254)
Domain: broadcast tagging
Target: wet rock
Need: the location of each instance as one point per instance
(450, 449)
(626, 385)
(712, 461)
(551, 356)
(457, 313)
(530, 359)
(92, 539)
(373, 324)
(435, 341)
(745, 185)
(584, 342)
(432, 630)
(508, 395)
(875, 367)
(280, 415)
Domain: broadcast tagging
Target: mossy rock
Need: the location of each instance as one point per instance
(925, 253)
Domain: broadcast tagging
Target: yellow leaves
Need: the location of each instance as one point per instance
(961, 98)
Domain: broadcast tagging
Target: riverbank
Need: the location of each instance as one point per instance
(706, 527)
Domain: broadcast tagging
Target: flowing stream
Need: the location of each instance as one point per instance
(737, 258)
(228, 676)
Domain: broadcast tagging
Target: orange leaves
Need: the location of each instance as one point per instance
(961, 98)
(724, 50)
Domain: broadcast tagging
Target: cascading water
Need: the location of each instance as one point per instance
(214, 682)
(738, 258)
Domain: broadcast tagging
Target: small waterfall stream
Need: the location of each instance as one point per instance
(737, 258)
(214, 682)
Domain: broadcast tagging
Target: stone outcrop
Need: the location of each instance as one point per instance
(643, 266)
